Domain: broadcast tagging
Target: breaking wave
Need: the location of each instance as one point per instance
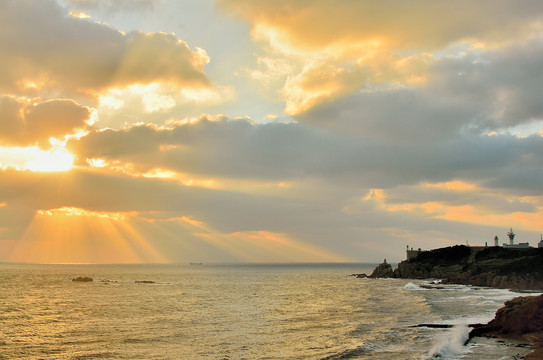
(411, 286)
(452, 345)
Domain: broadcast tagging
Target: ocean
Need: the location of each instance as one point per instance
(238, 311)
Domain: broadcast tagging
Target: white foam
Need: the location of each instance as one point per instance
(411, 286)
(451, 345)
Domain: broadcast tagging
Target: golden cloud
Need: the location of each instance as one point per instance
(25, 122)
(411, 25)
(46, 50)
(160, 57)
(334, 49)
(471, 212)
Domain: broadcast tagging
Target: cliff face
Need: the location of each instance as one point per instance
(408, 270)
(521, 315)
(440, 263)
(504, 268)
(493, 267)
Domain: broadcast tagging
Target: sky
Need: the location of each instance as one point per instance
(165, 131)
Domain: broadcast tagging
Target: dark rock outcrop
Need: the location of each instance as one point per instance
(519, 269)
(439, 263)
(520, 318)
(383, 270)
(360, 276)
(420, 270)
(83, 279)
(493, 267)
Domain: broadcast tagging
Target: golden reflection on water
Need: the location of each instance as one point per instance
(210, 312)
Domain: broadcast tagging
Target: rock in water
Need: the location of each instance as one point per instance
(361, 276)
(383, 270)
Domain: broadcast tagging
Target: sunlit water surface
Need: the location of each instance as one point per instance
(309, 311)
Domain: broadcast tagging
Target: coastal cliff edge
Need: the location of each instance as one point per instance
(516, 269)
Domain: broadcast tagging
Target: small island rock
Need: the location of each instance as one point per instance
(383, 270)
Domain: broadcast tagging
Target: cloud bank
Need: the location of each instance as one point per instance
(406, 123)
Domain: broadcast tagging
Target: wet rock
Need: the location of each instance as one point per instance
(360, 276)
(444, 326)
(521, 315)
(520, 318)
(107, 282)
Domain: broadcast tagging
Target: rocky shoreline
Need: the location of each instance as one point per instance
(519, 319)
(515, 269)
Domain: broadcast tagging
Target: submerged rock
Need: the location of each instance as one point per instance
(144, 282)
(83, 279)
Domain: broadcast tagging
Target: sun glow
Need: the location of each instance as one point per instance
(73, 211)
(157, 173)
(35, 159)
(51, 161)
(79, 15)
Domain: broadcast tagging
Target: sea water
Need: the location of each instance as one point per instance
(243, 311)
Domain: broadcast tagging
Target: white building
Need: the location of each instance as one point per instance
(512, 244)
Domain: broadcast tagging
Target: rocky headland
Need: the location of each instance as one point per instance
(516, 269)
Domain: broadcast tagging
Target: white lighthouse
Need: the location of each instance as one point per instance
(511, 237)
(512, 244)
